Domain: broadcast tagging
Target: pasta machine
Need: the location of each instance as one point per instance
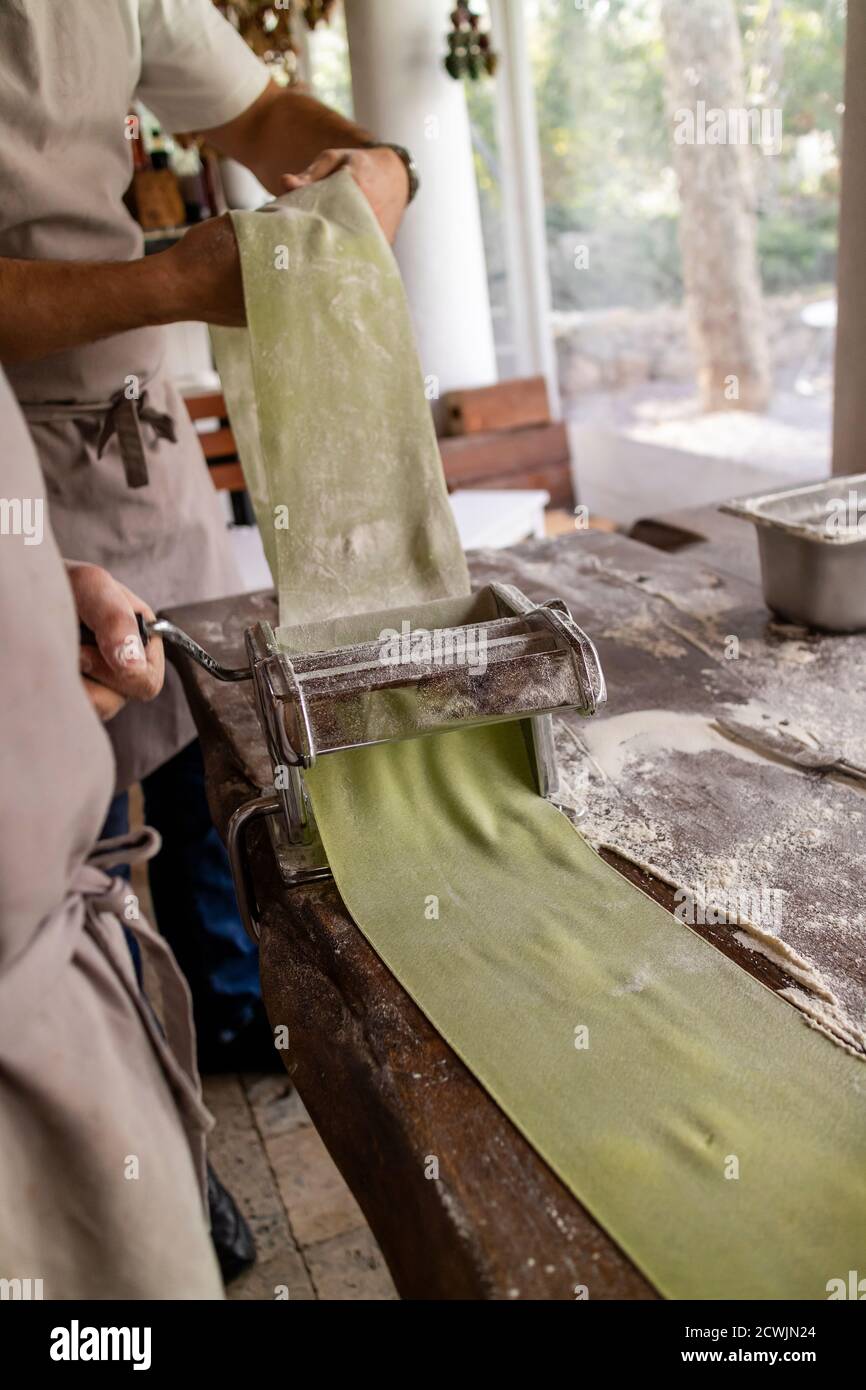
(490, 656)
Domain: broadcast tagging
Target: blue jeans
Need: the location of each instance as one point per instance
(193, 897)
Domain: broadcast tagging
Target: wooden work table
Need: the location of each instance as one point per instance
(382, 1087)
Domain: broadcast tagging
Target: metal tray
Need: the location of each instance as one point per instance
(812, 544)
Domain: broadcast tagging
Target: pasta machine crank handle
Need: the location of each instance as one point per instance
(182, 640)
(169, 632)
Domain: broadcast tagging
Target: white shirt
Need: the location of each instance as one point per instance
(188, 64)
(69, 72)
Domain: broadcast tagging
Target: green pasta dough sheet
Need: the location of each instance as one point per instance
(327, 404)
(641, 1063)
(715, 1136)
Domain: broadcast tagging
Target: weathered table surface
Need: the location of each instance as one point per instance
(707, 536)
(382, 1087)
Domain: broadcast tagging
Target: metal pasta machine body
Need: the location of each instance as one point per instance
(490, 656)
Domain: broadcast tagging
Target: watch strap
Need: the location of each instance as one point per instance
(408, 162)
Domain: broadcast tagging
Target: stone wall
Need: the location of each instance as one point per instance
(611, 349)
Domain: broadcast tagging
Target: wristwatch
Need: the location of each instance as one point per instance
(408, 162)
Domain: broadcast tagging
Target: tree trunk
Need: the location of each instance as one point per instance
(704, 63)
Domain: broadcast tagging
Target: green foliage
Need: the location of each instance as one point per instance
(798, 250)
(606, 142)
(599, 85)
(809, 37)
(329, 55)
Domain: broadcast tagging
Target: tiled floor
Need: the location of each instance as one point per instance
(311, 1235)
(312, 1239)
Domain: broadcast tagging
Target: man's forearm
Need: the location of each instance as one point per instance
(49, 306)
(282, 133)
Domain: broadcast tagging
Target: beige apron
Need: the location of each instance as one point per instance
(122, 494)
(151, 517)
(100, 1112)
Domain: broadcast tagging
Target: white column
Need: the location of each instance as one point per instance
(523, 199)
(402, 93)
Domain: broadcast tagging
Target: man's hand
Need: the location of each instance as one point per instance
(119, 667)
(202, 272)
(51, 306)
(287, 139)
(379, 173)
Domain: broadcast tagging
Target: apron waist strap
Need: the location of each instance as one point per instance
(121, 416)
(125, 418)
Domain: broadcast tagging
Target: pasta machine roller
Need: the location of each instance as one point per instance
(490, 656)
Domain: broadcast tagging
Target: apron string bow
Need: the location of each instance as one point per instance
(124, 418)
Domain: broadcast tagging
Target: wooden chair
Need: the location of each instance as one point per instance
(502, 436)
(499, 436)
(219, 445)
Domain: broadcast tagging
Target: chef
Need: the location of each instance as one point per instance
(102, 1179)
(82, 343)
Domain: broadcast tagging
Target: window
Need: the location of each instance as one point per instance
(691, 254)
(328, 63)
